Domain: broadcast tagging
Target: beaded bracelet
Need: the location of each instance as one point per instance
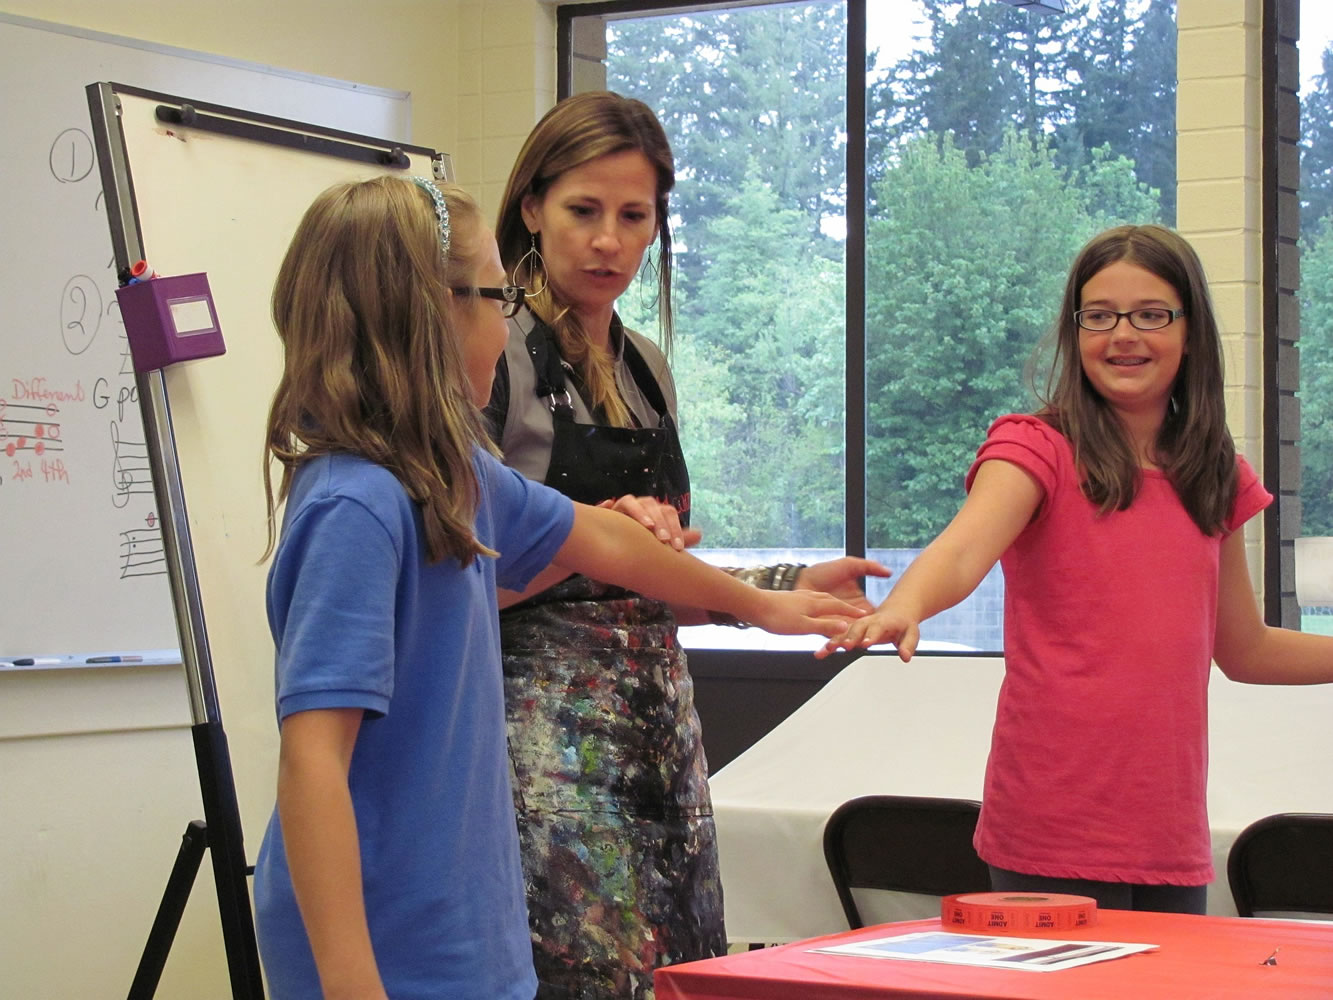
(781, 576)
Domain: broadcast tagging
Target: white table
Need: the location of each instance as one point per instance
(884, 727)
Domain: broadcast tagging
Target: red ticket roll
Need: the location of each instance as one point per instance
(1017, 912)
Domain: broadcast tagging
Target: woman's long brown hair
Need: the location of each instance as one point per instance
(372, 361)
(579, 129)
(1193, 446)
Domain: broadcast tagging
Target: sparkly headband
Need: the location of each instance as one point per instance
(441, 210)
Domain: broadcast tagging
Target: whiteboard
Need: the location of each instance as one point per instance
(81, 549)
(228, 206)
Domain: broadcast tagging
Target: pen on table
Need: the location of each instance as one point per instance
(114, 659)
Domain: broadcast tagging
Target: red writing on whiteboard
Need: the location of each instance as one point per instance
(38, 388)
(54, 471)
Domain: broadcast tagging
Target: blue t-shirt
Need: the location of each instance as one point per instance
(361, 620)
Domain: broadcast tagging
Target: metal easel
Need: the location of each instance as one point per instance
(220, 832)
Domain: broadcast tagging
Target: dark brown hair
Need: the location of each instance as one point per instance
(579, 129)
(1193, 446)
(372, 364)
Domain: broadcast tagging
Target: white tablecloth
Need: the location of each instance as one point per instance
(884, 727)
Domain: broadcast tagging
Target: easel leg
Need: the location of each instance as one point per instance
(169, 912)
(220, 833)
(227, 849)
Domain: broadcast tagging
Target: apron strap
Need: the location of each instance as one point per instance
(552, 387)
(645, 380)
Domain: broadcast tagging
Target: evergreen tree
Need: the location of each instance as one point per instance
(765, 357)
(760, 85)
(1316, 392)
(986, 68)
(1317, 149)
(1121, 94)
(966, 266)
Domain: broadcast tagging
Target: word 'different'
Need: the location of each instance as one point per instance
(39, 389)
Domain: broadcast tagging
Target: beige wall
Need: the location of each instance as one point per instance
(1219, 198)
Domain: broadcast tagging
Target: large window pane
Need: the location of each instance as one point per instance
(998, 139)
(1314, 550)
(998, 143)
(753, 101)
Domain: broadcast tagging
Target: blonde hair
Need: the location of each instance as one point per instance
(372, 361)
(579, 129)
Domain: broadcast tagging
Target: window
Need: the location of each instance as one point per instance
(1314, 547)
(994, 141)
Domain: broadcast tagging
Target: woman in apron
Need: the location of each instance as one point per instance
(610, 782)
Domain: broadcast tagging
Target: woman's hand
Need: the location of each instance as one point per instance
(659, 518)
(840, 577)
(800, 612)
(884, 625)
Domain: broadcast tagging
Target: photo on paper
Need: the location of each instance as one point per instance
(1033, 954)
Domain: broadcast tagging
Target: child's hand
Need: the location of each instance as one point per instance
(797, 612)
(659, 518)
(881, 626)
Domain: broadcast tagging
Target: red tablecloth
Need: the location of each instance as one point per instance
(1220, 958)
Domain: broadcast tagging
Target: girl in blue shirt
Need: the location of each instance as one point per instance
(390, 866)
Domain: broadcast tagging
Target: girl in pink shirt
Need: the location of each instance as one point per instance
(1114, 512)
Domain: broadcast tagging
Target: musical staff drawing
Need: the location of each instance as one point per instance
(142, 553)
(130, 469)
(30, 427)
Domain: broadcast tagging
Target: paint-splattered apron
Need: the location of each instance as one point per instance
(610, 782)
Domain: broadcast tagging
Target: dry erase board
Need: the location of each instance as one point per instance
(225, 204)
(82, 552)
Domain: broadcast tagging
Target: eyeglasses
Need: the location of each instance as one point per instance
(510, 296)
(1101, 320)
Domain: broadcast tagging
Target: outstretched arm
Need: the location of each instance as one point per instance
(1247, 650)
(1000, 504)
(659, 518)
(608, 546)
(323, 852)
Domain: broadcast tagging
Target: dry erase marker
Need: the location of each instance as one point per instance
(37, 661)
(114, 659)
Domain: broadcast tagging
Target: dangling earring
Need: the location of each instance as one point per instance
(532, 263)
(648, 276)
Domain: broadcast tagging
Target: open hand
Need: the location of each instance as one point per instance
(659, 518)
(840, 577)
(873, 629)
(798, 612)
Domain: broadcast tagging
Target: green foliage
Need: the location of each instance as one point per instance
(1101, 74)
(965, 266)
(1316, 393)
(990, 165)
(1317, 148)
(762, 419)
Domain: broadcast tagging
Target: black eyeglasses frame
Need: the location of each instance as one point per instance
(1174, 315)
(510, 296)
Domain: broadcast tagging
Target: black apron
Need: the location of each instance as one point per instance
(615, 822)
(591, 462)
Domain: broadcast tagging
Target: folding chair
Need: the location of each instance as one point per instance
(903, 843)
(1283, 863)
